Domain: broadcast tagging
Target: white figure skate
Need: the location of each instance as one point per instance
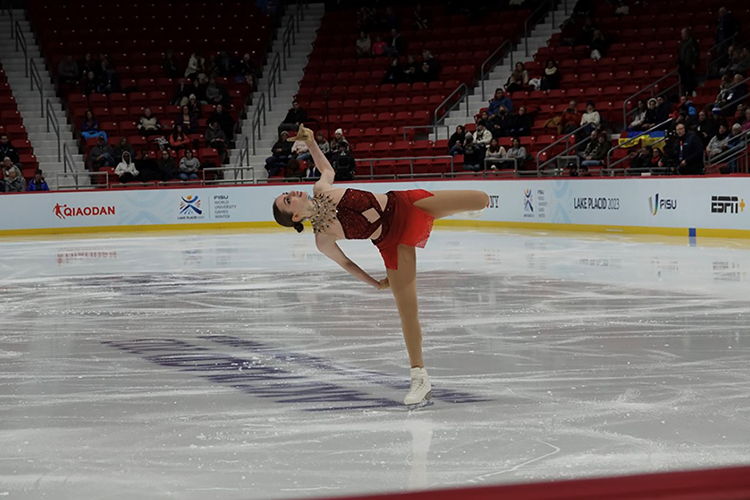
(420, 392)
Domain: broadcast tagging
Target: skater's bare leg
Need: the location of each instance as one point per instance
(403, 282)
(447, 203)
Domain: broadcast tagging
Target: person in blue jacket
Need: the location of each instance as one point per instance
(37, 183)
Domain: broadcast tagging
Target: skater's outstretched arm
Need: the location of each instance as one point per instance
(327, 174)
(327, 245)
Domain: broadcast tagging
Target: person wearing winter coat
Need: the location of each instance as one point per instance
(37, 183)
(149, 125)
(14, 181)
(189, 166)
(125, 170)
(718, 143)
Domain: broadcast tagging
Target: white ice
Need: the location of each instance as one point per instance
(248, 366)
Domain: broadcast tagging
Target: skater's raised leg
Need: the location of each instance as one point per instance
(446, 203)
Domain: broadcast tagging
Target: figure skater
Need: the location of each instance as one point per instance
(396, 222)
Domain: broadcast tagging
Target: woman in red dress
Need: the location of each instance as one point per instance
(396, 222)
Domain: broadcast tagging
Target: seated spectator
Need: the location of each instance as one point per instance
(215, 93)
(484, 119)
(590, 119)
(550, 77)
(37, 183)
(522, 75)
(189, 166)
(170, 64)
(598, 45)
(433, 63)
(168, 167)
(395, 74)
(651, 118)
(343, 163)
(196, 64)
(456, 141)
(300, 151)
(148, 168)
(657, 158)
(522, 123)
(473, 154)
(364, 45)
(746, 121)
(397, 46)
(639, 117)
(514, 83)
(569, 120)
(194, 106)
(90, 127)
(226, 123)
(420, 20)
(246, 67)
(425, 73)
(122, 147)
(338, 138)
(641, 159)
(718, 143)
(502, 123)
(14, 181)
(322, 144)
(88, 64)
(149, 125)
(706, 127)
(740, 113)
(177, 139)
(224, 65)
(7, 149)
(482, 137)
(662, 110)
(736, 142)
(187, 121)
(687, 109)
(411, 71)
(293, 169)
(494, 153)
(281, 151)
(109, 81)
(294, 117)
(182, 92)
(101, 155)
(517, 152)
(215, 138)
(125, 170)
(379, 47)
(500, 99)
(90, 84)
(596, 151)
(68, 72)
(9, 165)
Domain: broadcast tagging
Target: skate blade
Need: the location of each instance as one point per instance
(427, 401)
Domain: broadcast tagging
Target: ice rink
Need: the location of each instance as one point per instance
(248, 366)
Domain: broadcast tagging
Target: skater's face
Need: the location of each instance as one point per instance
(294, 202)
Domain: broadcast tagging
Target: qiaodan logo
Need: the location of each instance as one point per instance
(655, 203)
(64, 211)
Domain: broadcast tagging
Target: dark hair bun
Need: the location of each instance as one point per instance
(299, 227)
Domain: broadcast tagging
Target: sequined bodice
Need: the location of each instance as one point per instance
(350, 212)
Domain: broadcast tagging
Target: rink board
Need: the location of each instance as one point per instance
(698, 206)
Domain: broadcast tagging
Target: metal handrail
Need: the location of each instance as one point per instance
(483, 73)
(244, 150)
(410, 158)
(714, 48)
(734, 103)
(651, 87)
(730, 154)
(52, 119)
(431, 127)
(260, 111)
(288, 38)
(7, 6)
(36, 78)
(532, 19)
(76, 175)
(21, 41)
(68, 160)
(565, 138)
(274, 74)
(656, 127)
(564, 154)
(610, 168)
(237, 180)
(437, 121)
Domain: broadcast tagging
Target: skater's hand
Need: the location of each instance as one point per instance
(384, 284)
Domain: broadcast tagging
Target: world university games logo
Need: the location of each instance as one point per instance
(528, 201)
(655, 204)
(191, 205)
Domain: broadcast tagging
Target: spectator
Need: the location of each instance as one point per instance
(101, 155)
(300, 151)
(293, 170)
(177, 139)
(502, 123)
(122, 147)
(425, 74)
(338, 139)
(434, 64)
(397, 45)
(718, 143)
(410, 71)
(364, 45)
(521, 71)
(687, 109)
(125, 170)
(706, 127)
(37, 183)
(473, 154)
(522, 123)
(641, 160)
(7, 149)
(187, 121)
(225, 65)
(395, 73)
(456, 141)
(495, 152)
(587, 32)
(500, 99)
(148, 168)
(88, 64)
(746, 120)
(189, 166)
(740, 113)
(90, 84)
(110, 80)
(215, 138)
(551, 77)
(740, 64)
(517, 152)
(246, 67)
(226, 123)
(182, 92)
(101, 64)
(662, 110)
(68, 72)
(14, 181)
(726, 28)
(598, 45)
(322, 143)
(686, 153)
(194, 107)
(379, 47)
(687, 61)
(569, 120)
(280, 153)
(170, 64)
(639, 117)
(9, 165)
(484, 119)
(149, 125)
(344, 164)
(294, 117)
(736, 142)
(168, 167)
(483, 137)
(513, 84)
(420, 20)
(215, 93)
(90, 127)
(596, 151)
(590, 119)
(734, 95)
(196, 65)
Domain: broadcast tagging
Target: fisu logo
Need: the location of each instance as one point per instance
(655, 204)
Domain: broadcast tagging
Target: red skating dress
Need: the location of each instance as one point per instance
(402, 223)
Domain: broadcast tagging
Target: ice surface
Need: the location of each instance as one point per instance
(248, 366)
